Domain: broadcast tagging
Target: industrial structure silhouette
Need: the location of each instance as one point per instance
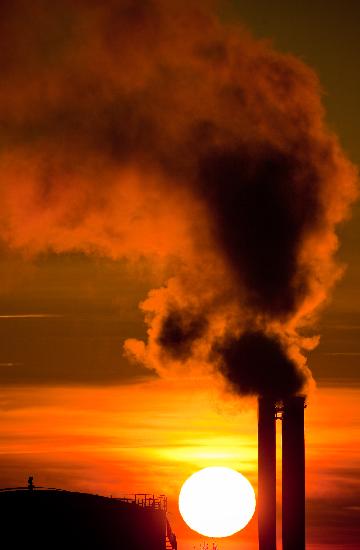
(44, 518)
(291, 412)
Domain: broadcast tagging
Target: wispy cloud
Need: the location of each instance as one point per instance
(31, 316)
(349, 353)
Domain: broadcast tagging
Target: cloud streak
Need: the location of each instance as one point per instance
(31, 316)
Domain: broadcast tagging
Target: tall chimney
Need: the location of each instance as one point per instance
(293, 474)
(267, 474)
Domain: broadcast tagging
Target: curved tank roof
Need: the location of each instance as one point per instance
(55, 519)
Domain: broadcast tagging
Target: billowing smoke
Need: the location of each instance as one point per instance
(254, 361)
(152, 129)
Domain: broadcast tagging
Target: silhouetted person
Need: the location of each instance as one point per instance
(30, 483)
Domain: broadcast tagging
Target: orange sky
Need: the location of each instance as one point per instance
(150, 437)
(75, 413)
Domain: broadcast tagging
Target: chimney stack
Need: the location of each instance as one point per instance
(291, 411)
(267, 474)
(293, 474)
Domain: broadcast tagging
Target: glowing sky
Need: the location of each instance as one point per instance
(77, 414)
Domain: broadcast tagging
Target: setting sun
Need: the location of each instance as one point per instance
(217, 502)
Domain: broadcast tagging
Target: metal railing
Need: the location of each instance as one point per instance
(143, 500)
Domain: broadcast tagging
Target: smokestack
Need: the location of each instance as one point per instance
(293, 474)
(267, 474)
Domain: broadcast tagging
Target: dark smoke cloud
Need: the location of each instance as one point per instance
(150, 128)
(179, 330)
(263, 202)
(255, 363)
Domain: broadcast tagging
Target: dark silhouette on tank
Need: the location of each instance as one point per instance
(59, 520)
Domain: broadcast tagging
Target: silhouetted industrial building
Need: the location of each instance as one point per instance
(53, 519)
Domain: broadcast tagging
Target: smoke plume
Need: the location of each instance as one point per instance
(148, 129)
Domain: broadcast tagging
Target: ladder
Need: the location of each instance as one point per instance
(171, 543)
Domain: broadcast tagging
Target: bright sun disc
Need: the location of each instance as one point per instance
(217, 502)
